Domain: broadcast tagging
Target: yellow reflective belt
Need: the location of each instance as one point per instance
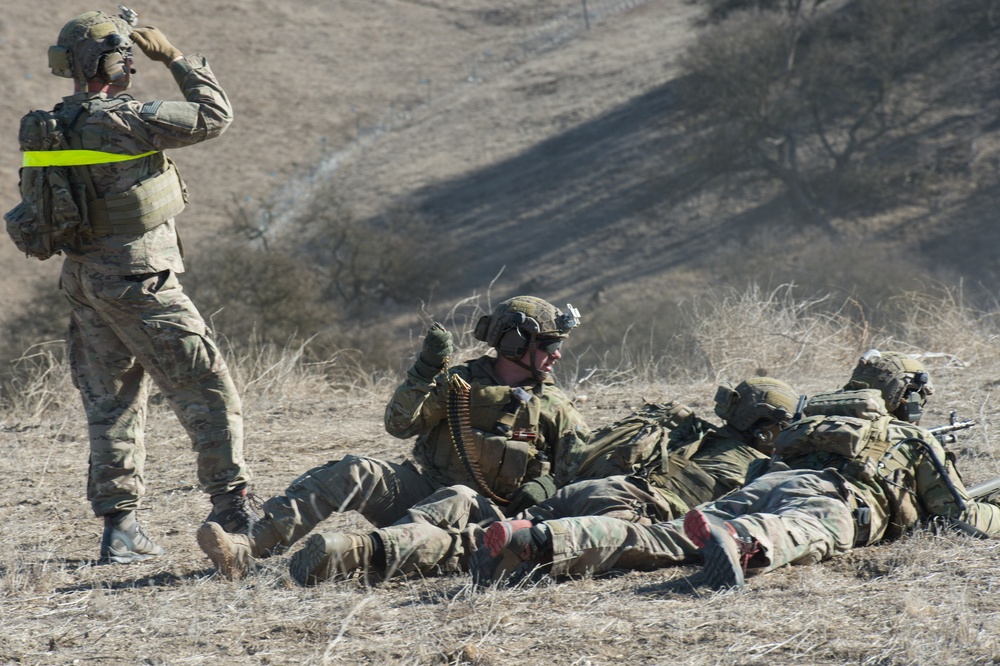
(44, 158)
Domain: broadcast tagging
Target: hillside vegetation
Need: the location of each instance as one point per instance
(725, 188)
(628, 164)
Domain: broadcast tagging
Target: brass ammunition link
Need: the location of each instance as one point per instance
(460, 428)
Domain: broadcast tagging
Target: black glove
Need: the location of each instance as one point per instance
(437, 348)
(530, 494)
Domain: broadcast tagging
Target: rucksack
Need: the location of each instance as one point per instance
(642, 440)
(846, 426)
(53, 203)
(865, 404)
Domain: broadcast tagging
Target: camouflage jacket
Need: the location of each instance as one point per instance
(704, 471)
(513, 439)
(124, 125)
(903, 484)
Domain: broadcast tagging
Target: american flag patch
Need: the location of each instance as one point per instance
(149, 108)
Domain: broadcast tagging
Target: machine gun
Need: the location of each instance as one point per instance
(984, 490)
(945, 433)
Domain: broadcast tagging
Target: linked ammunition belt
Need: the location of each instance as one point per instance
(460, 427)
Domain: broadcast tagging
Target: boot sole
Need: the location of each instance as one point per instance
(125, 559)
(722, 568)
(306, 563)
(213, 541)
(697, 528)
(500, 534)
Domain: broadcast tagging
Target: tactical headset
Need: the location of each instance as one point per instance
(510, 328)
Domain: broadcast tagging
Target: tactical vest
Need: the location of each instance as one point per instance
(58, 199)
(685, 482)
(507, 442)
(146, 205)
(872, 451)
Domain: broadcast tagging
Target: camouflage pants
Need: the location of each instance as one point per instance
(799, 517)
(626, 498)
(440, 533)
(380, 491)
(128, 330)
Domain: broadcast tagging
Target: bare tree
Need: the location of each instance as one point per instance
(800, 95)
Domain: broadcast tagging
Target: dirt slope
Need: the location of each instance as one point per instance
(535, 143)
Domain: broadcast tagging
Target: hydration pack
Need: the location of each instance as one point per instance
(53, 207)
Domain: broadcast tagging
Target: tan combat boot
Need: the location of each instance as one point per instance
(332, 555)
(233, 511)
(236, 555)
(124, 541)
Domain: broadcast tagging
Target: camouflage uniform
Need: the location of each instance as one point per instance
(383, 492)
(131, 321)
(719, 464)
(439, 534)
(798, 516)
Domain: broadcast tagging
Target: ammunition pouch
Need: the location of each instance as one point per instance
(141, 208)
(505, 463)
(688, 481)
(900, 493)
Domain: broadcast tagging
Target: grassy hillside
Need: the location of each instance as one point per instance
(561, 158)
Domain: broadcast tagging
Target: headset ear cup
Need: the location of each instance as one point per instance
(111, 67)
(512, 344)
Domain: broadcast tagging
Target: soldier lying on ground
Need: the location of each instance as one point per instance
(440, 534)
(494, 425)
(839, 482)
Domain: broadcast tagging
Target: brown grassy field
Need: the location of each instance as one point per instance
(525, 132)
(926, 599)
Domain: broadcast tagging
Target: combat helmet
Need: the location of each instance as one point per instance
(757, 405)
(85, 41)
(903, 381)
(519, 323)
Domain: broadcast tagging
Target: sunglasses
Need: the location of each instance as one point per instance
(549, 345)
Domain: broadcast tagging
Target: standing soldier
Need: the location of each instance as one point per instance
(131, 322)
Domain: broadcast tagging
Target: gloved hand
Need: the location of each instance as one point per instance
(155, 44)
(530, 494)
(436, 350)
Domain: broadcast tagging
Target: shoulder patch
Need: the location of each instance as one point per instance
(150, 108)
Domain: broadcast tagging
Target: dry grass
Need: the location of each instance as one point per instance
(927, 599)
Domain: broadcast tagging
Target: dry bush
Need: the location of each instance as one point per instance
(38, 384)
(317, 271)
(815, 96)
(755, 332)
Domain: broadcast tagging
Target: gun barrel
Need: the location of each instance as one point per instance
(984, 489)
(952, 427)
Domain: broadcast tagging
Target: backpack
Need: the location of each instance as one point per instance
(641, 440)
(865, 404)
(53, 207)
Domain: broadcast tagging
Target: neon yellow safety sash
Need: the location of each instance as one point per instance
(46, 158)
